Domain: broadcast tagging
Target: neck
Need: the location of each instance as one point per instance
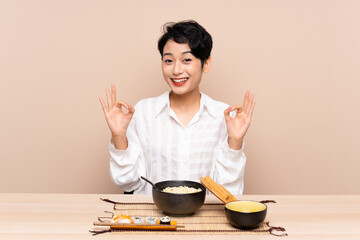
(189, 102)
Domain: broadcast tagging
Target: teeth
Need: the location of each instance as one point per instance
(179, 80)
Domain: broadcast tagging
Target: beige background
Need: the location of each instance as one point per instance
(301, 58)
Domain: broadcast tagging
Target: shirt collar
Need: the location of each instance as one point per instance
(205, 103)
(161, 102)
(210, 106)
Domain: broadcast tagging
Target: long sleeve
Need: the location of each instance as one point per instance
(126, 166)
(229, 166)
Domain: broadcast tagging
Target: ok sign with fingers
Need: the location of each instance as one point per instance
(239, 124)
(117, 120)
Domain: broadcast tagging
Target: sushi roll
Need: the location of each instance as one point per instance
(165, 220)
(122, 219)
(138, 220)
(151, 220)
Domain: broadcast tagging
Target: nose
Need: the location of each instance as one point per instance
(178, 68)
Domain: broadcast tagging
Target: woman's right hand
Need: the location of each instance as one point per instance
(117, 120)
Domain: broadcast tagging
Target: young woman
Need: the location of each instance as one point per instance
(182, 134)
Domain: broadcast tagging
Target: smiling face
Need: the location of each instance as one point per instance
(181, 69)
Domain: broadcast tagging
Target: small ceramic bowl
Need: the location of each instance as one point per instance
(245, 214)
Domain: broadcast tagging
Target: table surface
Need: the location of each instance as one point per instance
(71, 216)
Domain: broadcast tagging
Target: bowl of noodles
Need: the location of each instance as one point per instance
(179, 197)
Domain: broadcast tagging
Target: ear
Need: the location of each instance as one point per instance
(207, 65)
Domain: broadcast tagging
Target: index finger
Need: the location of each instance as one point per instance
(120, 104)
(237, 108)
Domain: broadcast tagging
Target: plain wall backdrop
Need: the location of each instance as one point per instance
(300, 58)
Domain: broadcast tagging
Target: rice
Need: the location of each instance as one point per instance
(181, 190)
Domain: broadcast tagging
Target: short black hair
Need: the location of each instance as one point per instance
(190, 32)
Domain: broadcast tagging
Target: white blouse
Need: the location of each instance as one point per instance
(160, 148)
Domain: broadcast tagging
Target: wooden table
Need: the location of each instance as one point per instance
(70, 216)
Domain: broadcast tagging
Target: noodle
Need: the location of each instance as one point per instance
(181, 190)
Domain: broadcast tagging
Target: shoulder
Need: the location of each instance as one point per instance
(145, 101)
(216, 103)
(215, 107)
(150, 105)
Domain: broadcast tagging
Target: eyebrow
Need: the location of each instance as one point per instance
(181, 53)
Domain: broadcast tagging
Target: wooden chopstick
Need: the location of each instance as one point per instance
(229, 197)
(218, 190)
(213, 189)
(147, 227)
(132, 226)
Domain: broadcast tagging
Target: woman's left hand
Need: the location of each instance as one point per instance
(237, 126)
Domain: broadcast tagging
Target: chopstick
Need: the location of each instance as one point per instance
(218, 190)
(131, 226)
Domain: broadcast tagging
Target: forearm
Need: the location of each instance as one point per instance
(126, 177)
(126, 166)
(120, 141)
(229, 168)
(235, 144)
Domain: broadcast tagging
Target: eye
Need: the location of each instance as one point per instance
(168, 61)
(187, 60)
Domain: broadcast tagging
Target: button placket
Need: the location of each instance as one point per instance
(186, 154)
